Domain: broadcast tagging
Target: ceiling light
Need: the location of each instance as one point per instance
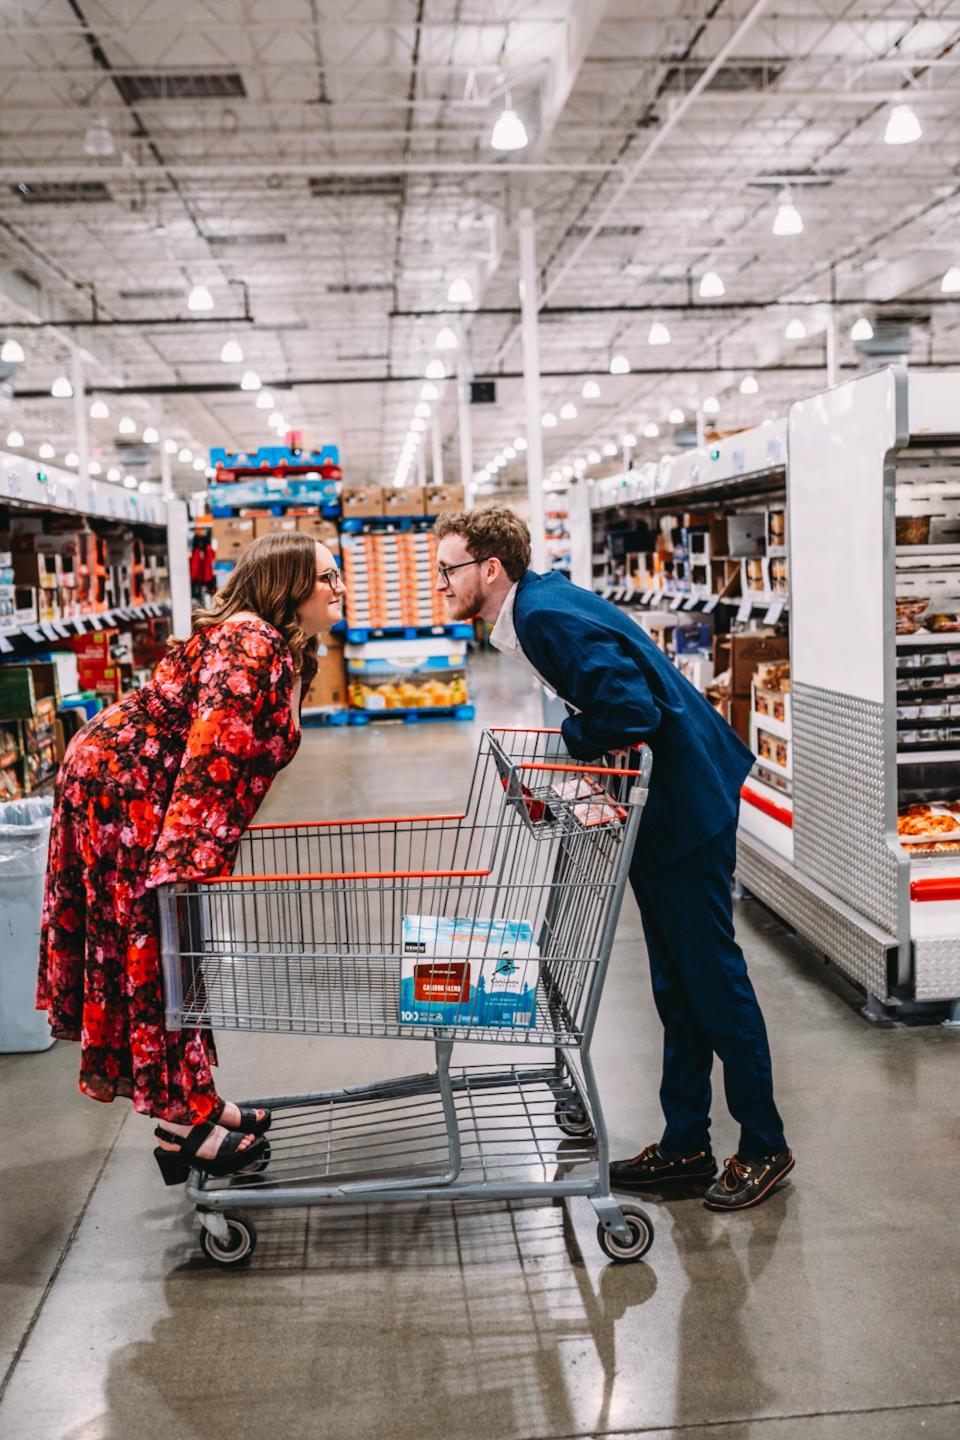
(548, 420)
(15, 440)
(199, 463)
(170, 446)
(568, 411)
(113, 473)
(199, 298)
(446, 339)
(145, 487)
(265, 400)
(676, 416)
(127, 426)
(61, 388)
(711, 286)
(71, 459)
(619, 365)
(274, 420)
(281, 424)
(520, 443)
(98, 139)
(435, 370)
(46, 451)
(629, 440)
(130, 481)
(749, 385)
(231, 354)
(429, 392)
(591, 390)
(150, 436)
(651, 430)
(417, 424)
(787, 220)
(422, 409)
(94, 467)
(12, 353)
(250, 380)
(711, 406)
(659, 334)
(609, 449)
(567, 472)
(99, 410)
(460, 292)
(950, 284)
(796, 330)
(510, 453)
(185, 455)
(594, 457)
(509, 132)
(862, 329)
(556, 476)
(903, 127)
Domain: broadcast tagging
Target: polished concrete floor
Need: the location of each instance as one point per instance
(832, 1312)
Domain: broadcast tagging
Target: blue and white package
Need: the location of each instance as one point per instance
(468, 972)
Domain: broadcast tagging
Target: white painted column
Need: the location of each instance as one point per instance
(422, 464)
(529, 308)
(832, 376)
(464, 418)
(166, 466)
(580, 521)
(80, 411)
(436, 439)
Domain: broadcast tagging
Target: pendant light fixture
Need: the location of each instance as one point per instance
(509, 132)
(903, 127)
(787, 220)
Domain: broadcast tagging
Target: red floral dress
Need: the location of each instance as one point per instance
(158, 788)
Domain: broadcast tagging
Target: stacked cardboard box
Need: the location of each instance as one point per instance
(391, 580)
(730, 694)
(328, 690)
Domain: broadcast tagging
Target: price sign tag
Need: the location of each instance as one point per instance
(48, 630)
(691, 602)
(5, 647)
(32, 633)
(774, 613)
(96, 622)
(61, 630)
(676, 602)
(744, 609)
(80, 626)
(711, 604)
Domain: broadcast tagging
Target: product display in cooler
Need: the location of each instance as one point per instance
(468, 972)
(417, 674)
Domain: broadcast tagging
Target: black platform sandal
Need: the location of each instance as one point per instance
(175, 1165)
(249, 1123)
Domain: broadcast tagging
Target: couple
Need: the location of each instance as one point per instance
(233, 693)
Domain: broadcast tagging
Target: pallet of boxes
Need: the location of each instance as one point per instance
(736, 659)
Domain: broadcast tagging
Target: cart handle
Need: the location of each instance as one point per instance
(506, 730)
(582, 769)
(371, 820)
(344, 875)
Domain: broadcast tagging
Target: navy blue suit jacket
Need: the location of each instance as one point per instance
(599, 660)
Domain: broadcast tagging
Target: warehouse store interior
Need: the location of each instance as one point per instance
(679, 284)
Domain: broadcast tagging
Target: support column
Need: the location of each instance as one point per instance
(78, 382)
(422, 465)
(529, 307)
(464, 418)
(831, 348)
(166, 468)
(436, 440)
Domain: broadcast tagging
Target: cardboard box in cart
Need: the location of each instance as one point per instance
(468, 972)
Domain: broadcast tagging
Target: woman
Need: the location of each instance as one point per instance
(158, 788)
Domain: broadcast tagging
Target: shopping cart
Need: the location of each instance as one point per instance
(345, 927)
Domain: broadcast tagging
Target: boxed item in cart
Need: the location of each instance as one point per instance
(468, 972)
(588, 802)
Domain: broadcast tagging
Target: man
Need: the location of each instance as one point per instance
(621, 690)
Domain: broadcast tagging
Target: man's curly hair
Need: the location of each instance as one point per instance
(490, 530)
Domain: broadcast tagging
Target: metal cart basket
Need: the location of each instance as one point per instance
(346, 927)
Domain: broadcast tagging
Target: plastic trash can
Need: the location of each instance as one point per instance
(24, 839)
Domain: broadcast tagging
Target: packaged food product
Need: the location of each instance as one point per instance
(592, 806)
(946, 622)
(913, 529)
(930, 828)
(468, 972)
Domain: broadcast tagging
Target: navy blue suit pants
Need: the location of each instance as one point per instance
(705, 1000)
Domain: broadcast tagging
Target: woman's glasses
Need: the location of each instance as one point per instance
(333, 578)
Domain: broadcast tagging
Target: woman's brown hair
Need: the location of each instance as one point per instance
(272, 578)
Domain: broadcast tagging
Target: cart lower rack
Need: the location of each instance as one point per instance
(493, 926)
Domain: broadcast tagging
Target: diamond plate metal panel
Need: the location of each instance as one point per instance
(859, 953)
(937, 969)
(838, 784)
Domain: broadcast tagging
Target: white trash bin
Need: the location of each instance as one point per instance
(24, 839)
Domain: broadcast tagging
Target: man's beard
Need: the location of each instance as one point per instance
(466, 607)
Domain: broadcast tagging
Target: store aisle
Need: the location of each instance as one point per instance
(829, 1313)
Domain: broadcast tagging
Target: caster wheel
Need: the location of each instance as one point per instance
(641, 1237)
(572, 1119)
(237, 1248)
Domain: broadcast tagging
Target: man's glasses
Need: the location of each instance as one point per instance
(333, 578)
(445, 571)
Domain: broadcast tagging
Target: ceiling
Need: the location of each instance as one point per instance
(326, 171)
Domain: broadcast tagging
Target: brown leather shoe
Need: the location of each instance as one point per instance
(747, 1182)
(654, 1167)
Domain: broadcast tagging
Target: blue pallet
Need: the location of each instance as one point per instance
(359, 634)
(274, 455)
(220, 510)
(325, 717)
(355, 524)
(413, 716)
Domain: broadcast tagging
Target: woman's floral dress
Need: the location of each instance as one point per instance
(158, 788)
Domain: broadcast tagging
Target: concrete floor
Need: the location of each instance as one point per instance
(832, 1312)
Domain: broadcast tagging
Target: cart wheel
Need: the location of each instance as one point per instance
(572, 1119)
(641, 1237)
(237, 1248)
